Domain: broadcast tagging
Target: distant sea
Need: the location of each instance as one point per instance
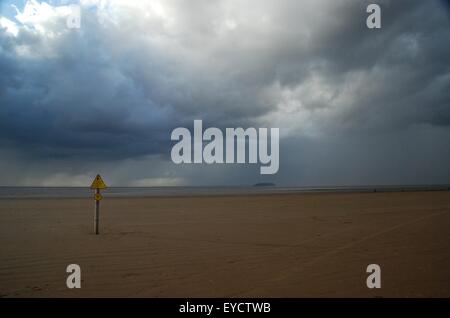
(81, 192)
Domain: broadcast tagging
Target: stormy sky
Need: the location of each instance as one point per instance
(354, 106)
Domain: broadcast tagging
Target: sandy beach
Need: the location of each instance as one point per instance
(280, 245)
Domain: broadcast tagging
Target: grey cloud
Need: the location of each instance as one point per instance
(113, 90)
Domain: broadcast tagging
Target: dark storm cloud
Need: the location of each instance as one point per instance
(75, 103)
(404, 68)
(113, 90)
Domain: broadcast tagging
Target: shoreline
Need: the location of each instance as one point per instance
(156, 192)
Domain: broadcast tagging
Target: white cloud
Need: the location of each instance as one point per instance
(9, 25)
(158, 182)
(43, 17)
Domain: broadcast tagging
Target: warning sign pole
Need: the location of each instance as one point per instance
(97, 211)
(97, 184)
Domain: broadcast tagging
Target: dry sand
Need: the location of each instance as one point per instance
(287, 245)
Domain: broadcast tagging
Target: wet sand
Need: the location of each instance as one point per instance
(283, 245)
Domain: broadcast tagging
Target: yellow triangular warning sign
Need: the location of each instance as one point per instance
(98, 183)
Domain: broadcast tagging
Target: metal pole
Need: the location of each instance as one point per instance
(97, 211)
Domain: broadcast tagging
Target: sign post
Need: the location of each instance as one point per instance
(97, 184)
